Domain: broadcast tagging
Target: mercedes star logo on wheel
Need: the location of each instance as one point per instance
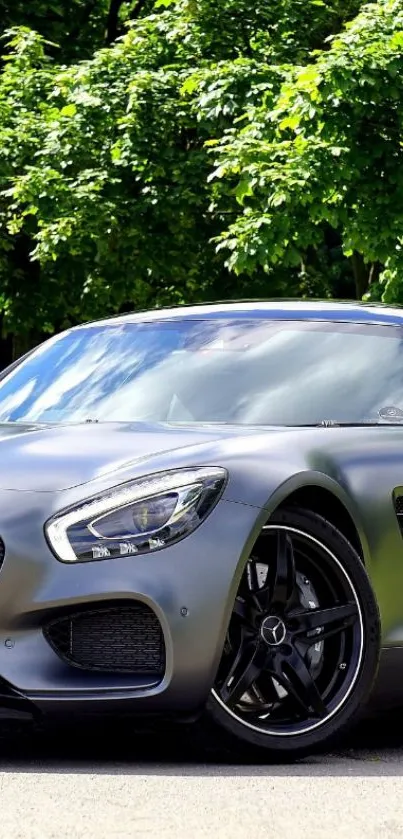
(273, 631)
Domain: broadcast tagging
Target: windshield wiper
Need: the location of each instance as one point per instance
(341, 424)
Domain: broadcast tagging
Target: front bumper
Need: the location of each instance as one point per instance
(190, 586)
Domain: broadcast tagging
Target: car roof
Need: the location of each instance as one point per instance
(271, 309)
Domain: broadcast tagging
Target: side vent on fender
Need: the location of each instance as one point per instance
(398, 502)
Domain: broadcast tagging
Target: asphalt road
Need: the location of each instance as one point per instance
(108, 783)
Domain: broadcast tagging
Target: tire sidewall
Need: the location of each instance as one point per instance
(304, 743)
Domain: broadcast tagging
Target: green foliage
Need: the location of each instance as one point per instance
(113, 196)
(217, 149)
(74, 28)
(325, 152)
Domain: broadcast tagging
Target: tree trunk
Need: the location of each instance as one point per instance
(374, 272)
(361, 273)
(365, 275)
(112, 26)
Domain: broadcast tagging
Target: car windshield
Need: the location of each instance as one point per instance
(247, 371)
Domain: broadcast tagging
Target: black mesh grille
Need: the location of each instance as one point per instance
(2, 552)
(118, 639)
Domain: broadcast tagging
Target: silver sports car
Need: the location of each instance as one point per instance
(201, 516)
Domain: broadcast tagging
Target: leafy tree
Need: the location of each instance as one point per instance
(74, 29)
(326, 153)
(215, 150)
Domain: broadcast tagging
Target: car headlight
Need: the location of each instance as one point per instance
(138, 517)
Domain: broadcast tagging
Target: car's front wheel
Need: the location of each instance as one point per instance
(302, 647)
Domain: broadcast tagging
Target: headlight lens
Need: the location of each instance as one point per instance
(138, 517)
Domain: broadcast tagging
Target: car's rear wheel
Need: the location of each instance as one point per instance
(302, 647)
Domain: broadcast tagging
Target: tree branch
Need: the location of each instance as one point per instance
(112, 24)
(374, 273)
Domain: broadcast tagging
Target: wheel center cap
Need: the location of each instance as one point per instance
(273, 631)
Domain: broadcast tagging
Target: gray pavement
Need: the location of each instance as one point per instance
(109, 783)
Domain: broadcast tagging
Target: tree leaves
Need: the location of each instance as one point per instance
(216, 149)
(333, 137)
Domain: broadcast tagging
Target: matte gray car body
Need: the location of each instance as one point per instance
(191, 585)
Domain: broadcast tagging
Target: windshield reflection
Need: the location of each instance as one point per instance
(256, 372)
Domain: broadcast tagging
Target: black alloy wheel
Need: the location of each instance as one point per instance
(302, 646)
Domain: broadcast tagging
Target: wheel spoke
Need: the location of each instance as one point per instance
(250, 590)
(246, 668)
(240, 610)
(284, 580)
(301, 685)
(330, 621)
(270, 672)
(243, 612)
(281, 578)
(267, 688)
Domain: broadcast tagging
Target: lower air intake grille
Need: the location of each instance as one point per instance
(118, 639)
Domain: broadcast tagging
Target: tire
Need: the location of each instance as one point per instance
(310, 682)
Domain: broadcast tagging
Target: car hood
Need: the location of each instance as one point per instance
(51, 458)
